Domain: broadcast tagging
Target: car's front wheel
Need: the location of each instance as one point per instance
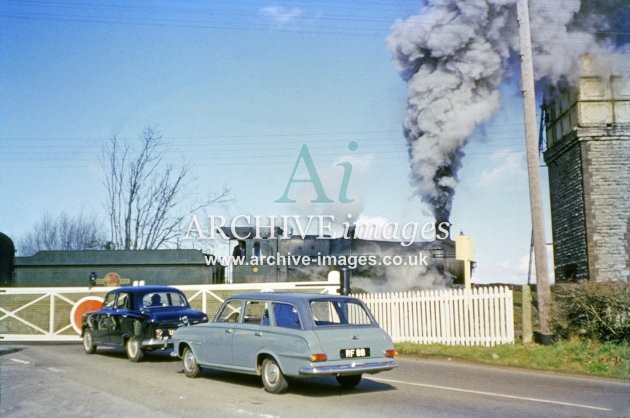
(349, 381)
(191, 367)
(134, 351)
(88, 341)
(272, 377)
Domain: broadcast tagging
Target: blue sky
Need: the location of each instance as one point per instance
(237, 87)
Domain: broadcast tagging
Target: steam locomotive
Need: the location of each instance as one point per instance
(189, 266)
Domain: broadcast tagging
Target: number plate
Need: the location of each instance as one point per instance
(355, 352)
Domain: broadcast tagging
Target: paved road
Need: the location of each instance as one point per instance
(60, 380)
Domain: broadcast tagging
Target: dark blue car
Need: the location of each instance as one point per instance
(139, 319)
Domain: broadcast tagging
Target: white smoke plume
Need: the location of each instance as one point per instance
(403, 278)
(455, 55)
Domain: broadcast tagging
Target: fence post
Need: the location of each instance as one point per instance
(51, 320)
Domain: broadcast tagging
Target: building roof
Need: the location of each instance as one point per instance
(107, 257)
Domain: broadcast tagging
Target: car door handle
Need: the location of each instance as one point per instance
(228, 330)
(258, 333)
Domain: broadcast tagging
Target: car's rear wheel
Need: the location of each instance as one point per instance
(350, 381)
(134, 351)
(191, 367)
(88, 341)
(272, 377)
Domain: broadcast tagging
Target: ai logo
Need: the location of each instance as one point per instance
(313, 177)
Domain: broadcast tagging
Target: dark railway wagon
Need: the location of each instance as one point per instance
(75, 268)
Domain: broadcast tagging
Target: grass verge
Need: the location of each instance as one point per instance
(578, 357)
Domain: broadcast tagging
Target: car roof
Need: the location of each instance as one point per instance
(285, 296)
(145, 289)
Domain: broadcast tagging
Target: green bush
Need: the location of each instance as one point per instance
(592, 311)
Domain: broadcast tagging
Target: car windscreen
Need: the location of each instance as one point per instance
(339, 312)
(110, 300)
(164, 299)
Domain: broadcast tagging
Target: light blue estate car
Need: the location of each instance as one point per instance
(275, 335)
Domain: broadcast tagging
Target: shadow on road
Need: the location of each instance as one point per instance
(308, 387)
(149, 356)
(9, 350)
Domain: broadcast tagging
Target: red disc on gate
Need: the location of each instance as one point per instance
(111, 279)
(82, 306)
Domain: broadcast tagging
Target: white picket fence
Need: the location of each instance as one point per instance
(479, 316)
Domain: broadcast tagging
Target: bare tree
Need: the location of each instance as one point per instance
(80, 232)
(145, 194)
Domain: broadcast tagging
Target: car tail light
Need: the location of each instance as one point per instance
(319, 357)
(390, 353)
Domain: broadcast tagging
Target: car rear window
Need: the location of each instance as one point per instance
(337, 312)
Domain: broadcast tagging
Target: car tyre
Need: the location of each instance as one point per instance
(134, 351)
(88, 341)
(349, 381)
(191, 367)
(272, 377)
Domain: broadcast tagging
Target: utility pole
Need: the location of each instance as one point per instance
(526, 299)
(538, 224)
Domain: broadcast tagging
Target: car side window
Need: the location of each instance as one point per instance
(152, 300)
(254, 312)
(175, 299)
(286, 316)
(231, 312)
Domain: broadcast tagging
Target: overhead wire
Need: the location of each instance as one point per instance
(126, 13)
(190, 17)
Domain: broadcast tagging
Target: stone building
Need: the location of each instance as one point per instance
(588, 158)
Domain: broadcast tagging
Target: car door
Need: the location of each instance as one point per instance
(216, 337)
(120, 319)
(251, 335)
(101, 322)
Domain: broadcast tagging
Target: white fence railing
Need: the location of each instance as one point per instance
(481, 316)
(54, 313)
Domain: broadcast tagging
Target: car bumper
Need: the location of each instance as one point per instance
(155, 343)
(352, 368)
